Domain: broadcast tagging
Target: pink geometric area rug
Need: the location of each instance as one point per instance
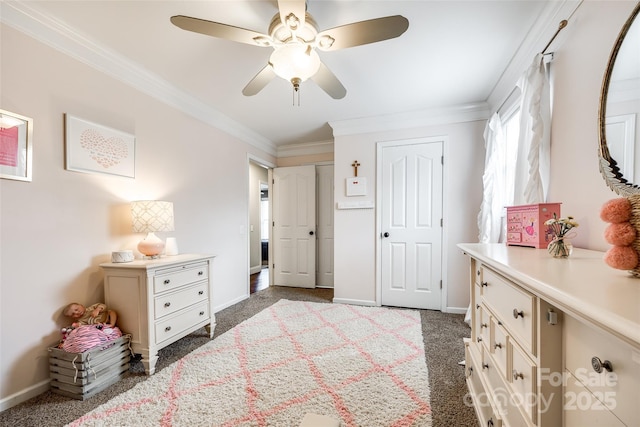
(363, 366)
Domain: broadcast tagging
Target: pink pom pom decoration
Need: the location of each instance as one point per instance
(616, 210)
(621, 234)
(621, 258)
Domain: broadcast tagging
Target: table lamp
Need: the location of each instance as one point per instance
(149, 216)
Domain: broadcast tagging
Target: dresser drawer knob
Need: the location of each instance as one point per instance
(497, 345)
(200, 292)
(484, 325)
(490, 422)
(517, 375)
(167, 304)
(167, 329)
(478, 272)
(477, 306)
(202, 313)
(517, 313)
(485, 284)
(479, 339)
(200, 273)
(167, 281)
(598, 365)
(469, 372)
(485, 366)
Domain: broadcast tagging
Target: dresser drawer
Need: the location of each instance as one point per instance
(173, 325)
(172, 278)
(513, 307)
(582, 409)
(483, 407)
(172, 302)
(499, 343)
(523, 380)
(477, 271)
(618, 390)
(477, 312)
(484, 328)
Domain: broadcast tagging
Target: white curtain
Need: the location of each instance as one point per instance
(493, 198)
(534, 145)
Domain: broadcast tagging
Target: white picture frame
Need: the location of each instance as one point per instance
(94, 148)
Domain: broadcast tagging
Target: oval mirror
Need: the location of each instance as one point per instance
(619, 114)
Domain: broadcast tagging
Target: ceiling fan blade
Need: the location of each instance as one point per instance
(363, 32)
(329, 82)
(223, 31)
(292, 13)
(259, 81)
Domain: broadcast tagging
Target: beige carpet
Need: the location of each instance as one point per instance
(364, 366)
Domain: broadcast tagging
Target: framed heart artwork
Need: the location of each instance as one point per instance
(90, 147)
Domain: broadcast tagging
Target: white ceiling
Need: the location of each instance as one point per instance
(453, 54)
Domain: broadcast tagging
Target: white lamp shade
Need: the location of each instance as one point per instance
(151, 215)
(295, 60)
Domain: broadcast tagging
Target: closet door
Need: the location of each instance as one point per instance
(294, 226)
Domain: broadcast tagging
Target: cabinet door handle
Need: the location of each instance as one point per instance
(202, 313)
(484, 325)
(497, 345)
(517, 375)
(477, 306)
(167, 329)
(598, 365)
(200, 273)
(517, 313)
(200, 292)
(167, 304)
(167, 281)
(485, 284)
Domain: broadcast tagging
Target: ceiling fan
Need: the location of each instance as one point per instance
(294, 36)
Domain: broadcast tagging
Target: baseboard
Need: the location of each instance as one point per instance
(354, 302)
(456, 310)
(24, 395)
(230, 303)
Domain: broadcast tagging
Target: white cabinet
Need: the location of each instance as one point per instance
(161, 300)
(554, 342)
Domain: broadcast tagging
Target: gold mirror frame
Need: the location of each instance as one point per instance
(608, 166)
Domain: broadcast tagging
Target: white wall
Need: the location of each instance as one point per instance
(57, 229)
(356, 235)
(577, 71)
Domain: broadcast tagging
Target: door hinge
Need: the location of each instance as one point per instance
(440, 284)
(442, 160)
(441, 222)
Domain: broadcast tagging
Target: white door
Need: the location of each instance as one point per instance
(325, 225)
(294, 226)
(411, 230)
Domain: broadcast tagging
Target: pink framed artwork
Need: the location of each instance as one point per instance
(16, 132)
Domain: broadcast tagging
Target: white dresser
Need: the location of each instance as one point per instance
(554, 342)
(161, 300)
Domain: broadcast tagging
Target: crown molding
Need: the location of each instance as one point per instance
(305, 149)
(27, 18)
(537, 38)
(414, 119)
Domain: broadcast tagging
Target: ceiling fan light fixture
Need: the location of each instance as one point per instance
(295, 60)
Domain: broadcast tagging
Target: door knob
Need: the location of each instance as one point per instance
(311, 233)
(386, 234)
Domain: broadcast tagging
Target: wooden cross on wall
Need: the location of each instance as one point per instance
(355, 165)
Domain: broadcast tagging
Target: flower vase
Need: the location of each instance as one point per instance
(560, 248)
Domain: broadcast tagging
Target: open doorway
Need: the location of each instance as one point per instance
(259, 226)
